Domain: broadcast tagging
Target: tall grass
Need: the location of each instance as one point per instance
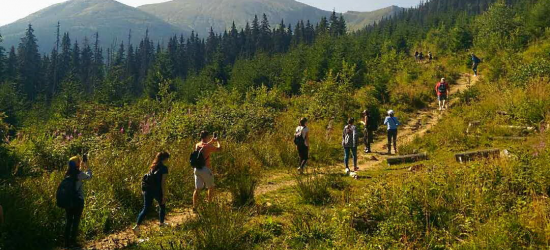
(313, 189)
(219, 227)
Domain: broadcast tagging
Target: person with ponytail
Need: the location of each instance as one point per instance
(156, 188)
(74, 213)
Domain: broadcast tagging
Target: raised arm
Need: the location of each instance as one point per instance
(85, 175)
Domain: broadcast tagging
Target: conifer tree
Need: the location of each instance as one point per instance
(28, 65)
(11, 66)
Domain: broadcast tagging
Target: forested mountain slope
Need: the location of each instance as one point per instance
(201, 15)
(252, 87)
(84, 18)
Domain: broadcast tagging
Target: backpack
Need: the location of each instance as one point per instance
(442, 88)
(298, 138)
(348, 134)
(67, 195)
(196, 159)
(151, 181)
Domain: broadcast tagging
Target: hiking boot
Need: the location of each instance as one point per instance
(300, 171)
(355, 169)
(347, 171)
(135, 229)
(164, 224)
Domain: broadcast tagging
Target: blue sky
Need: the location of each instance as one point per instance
(13, 10)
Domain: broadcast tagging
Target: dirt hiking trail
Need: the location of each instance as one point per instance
(421, 122)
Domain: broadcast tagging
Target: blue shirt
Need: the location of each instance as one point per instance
(392, 122)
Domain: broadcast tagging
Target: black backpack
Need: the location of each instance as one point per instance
(196, 159)
(442, 88)
(299, 139)
(151, 181)
(67, 195)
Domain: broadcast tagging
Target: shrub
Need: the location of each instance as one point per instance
(218, 227)
(313, 189)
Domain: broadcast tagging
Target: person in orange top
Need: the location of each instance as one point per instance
(442, 89)
(203, 176)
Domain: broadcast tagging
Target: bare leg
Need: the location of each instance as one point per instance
(210, 194)
(196, 198)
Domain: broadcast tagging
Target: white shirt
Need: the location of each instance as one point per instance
(303, 131)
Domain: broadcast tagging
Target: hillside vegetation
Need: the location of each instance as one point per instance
(252, 87)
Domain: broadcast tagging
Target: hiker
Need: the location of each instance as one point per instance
(416, 55)
(370, 126)
(475, 63)
(154, 188)
(301, 139)
(74, 212)
(392, 123)
(442, 89)
(421, 56)
(349, 142)
(204, 178)
(430, 56)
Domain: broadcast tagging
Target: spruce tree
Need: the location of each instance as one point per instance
(2, 62)
(86, 66)
(28, 64)
(11, 66)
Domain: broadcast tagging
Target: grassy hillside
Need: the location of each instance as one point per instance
(499, 203)
(200, 15)
(359, 20)
(83, 18)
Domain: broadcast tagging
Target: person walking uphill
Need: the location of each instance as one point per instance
(392, 123)
(349, 142)
(475, 63)
(70, 196)
(204, 178)
(301, 139)
(370, 126)
(154, 187)
(442, 89)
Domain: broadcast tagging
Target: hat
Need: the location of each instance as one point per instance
(390, 112)
(443, 79)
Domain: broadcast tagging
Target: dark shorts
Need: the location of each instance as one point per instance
(442, 97)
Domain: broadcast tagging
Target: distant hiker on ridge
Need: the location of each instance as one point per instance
(442, 89)
(416, 56)
(70, 196)
(392, 123)
(430, 56)
(301, 140)
(349, 142)
(153, 186)
(475, 63)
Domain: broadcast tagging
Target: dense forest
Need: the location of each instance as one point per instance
(124, 103)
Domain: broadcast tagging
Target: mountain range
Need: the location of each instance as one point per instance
(113, 20)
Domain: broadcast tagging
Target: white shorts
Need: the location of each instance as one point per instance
(203, 178)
